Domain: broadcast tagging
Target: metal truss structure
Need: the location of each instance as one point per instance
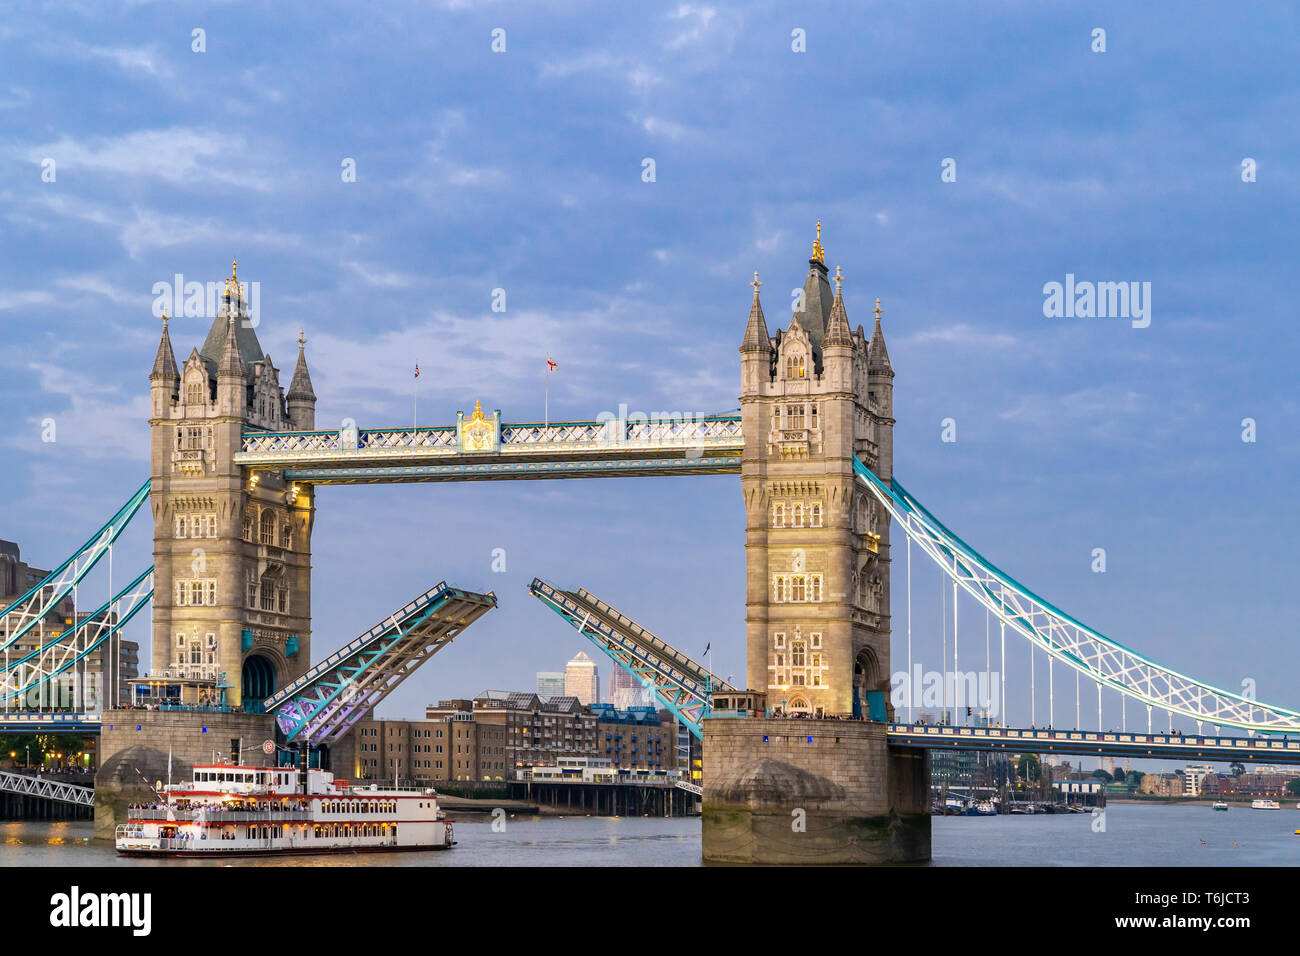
(28, 611)
(42, 664)
(1094, 742)
(327, 701)
(34, 786)
(679, 683)
(606, 448)
(1094, 655)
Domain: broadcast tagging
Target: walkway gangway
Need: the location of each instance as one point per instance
(325, 703)
(679, 683)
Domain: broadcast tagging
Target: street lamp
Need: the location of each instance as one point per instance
(784, 688)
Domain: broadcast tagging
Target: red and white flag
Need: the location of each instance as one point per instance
(417, 370)
(550, 364)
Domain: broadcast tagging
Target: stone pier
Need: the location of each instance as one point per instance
(135, 744)
(813, 792)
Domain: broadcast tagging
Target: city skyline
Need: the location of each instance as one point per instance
(1072, 434)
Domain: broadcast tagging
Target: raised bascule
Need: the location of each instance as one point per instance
(234, 461)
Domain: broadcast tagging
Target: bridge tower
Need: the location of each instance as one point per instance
(232, 552)
(813, 397)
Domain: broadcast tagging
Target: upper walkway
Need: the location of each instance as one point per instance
(482, 447)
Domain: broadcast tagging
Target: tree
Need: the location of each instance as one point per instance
(1237, 768)
(1100, 774)
(1294, 785)
(1029, 768)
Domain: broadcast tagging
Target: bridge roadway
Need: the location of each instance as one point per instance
(1263, 748)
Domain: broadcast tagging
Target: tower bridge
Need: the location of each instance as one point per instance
(234, 460)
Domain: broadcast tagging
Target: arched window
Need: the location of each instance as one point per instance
(794, 367)
(248, 526)
(193, 393)
(286, 536)
(267, 535)
(815, 516)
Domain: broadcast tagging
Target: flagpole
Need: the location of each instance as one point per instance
(547, 422)
(415, 401)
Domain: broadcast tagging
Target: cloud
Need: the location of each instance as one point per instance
(182, 156)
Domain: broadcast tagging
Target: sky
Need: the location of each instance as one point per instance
(960, 157)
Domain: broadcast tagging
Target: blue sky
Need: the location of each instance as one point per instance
(522, 170)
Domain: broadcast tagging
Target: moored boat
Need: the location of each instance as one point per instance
(1265, 805)
(1220, 805)
(242, 811)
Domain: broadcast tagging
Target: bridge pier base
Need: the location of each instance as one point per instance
(813, 792)
(135, 746)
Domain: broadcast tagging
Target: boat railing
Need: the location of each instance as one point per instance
(224, 816)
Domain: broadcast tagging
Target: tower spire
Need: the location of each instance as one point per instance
(837, 329)
(818, 253)
(164, 363)
(877, 354)
(756, 338)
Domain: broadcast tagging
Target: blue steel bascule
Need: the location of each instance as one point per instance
(323, 701)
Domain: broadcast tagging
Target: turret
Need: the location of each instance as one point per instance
(231, 387)
(165, 378)
(755, 348)
(837, 347)
(880, 386)
(301, 397)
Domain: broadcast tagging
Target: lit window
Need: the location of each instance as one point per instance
(794, 366)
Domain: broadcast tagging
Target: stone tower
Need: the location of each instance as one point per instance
(814, 397)
(232, 551)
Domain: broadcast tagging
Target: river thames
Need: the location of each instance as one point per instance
(1127, 835)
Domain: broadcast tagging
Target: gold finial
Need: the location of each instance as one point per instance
(839, 280)
(478, 409)
(819, 253)
(302, 339)
(878, 310)
(234, 271)
(756, 283)
(165, 318)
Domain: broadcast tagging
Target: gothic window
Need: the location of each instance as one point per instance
(778, 588)
(286, 537)
(196, 592)
(209, 438)
(180, 639)
(796, 654)
(252, 590)
(798, 588)
(796, 515)
(812, 415)
(816, 638)
(211, 595)
(193, 439)
(248, 526)
(193, 393)
(268, 527)
(268, 594)
(814, 587)
(815, 516)
(181, 594)
(212, 526)
(794, 367)
(180, 526)
(778, 515)
(283, 596)
(794, 416)
(196, 653)
(779, 638)
(180, 432)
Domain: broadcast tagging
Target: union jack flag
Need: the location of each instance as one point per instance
(417, 370)
(550, 364)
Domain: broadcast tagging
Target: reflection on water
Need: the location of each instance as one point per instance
(1133, 835)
